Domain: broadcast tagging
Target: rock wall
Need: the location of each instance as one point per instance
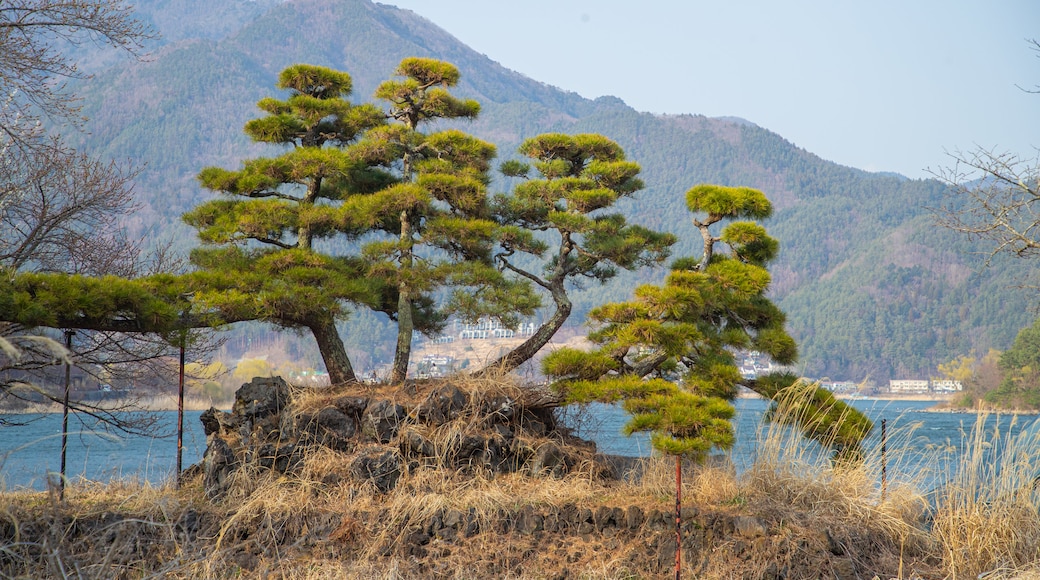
(382, 435)
(385, 433)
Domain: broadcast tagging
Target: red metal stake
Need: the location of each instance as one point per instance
(180, 415)
(678, 517)
(65, 415)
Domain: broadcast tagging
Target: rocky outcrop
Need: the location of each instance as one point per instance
(384, 433)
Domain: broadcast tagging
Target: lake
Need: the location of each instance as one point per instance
(29, 452)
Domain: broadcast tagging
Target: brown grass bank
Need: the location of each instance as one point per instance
(791, 515)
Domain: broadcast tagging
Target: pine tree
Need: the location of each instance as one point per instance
(670, 353)
(261, 262)
(581, 177)
(437, 211)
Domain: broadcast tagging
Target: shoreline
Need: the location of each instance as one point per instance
(169, 403)
(144, 404)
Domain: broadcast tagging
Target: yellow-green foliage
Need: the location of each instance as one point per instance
(576, 364)
(819, 415)
(737, 202)
(684, 334)
(153, 304)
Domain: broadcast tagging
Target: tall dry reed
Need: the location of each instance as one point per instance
(987, 519)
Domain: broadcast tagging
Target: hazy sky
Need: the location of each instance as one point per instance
(885, 85)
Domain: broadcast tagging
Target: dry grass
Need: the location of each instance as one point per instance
(318, 524)
(988, 520)
(796, 481)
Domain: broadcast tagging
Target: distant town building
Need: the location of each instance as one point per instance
(433, 366)
(485, 328)
(753, 364)
(946, 386)
(839, 386)
(916, 386)
(907, 386)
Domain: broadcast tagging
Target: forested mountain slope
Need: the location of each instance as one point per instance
(870, 285)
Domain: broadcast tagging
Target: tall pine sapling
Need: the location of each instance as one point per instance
(669, 354)
(436, 216)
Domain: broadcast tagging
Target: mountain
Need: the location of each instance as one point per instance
(871, 286)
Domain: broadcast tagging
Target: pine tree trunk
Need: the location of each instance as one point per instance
(405, 324)
(530, 347)
(405, 328)
(332, 351)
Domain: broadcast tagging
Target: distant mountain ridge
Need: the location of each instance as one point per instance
(870, 286)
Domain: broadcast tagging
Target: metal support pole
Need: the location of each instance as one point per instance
(65, 414)
(884, 459)
(678, 517)
(180, 414)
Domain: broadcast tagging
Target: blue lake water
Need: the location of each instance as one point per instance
(29, 452)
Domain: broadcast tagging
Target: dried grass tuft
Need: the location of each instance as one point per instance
(988, 516)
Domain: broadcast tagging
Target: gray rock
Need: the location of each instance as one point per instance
(528, 522)
(381, 420)
(332, 428)
(532, 425)
(633, 517)
(215, 421)
(281, 458)
(470, 450)
(749, 527)
(351, 406)
(380, 467)
(472, 526)
(260, 397)
(413, 544)
(658, 520)
(218, 463)
(454, 519)
(666, 547)
(498, 408)
(549, 458)
(442, 405)
(417, 446)
(617, 517)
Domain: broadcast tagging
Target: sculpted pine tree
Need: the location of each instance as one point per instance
(580, 178)
(437, 211)
(670, 353)
(261, 262)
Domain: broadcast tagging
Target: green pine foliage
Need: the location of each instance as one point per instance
(670, 353)
(1020, 365)
(560, 227)
(851, 238)
(437, 213)
(260, 262)
(108, 303)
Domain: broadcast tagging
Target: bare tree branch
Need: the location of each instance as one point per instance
(993, 197)
(34, 60)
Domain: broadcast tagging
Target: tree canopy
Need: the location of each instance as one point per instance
(261, 262)
(670, 354)
(436, 215)
(559, 229)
